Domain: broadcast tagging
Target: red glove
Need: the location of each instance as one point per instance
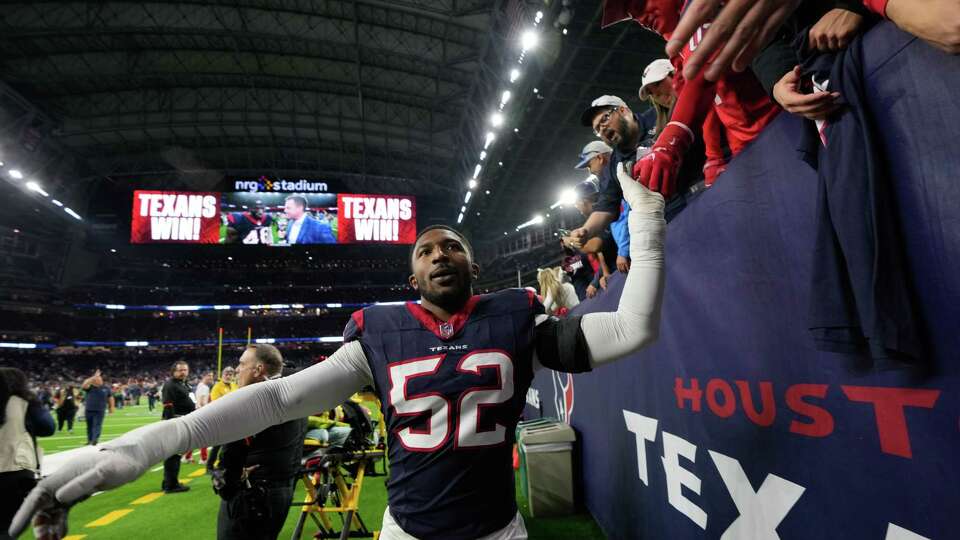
(712, 169)
(658, 169)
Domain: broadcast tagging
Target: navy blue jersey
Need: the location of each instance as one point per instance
(452, 393)
(244, 223)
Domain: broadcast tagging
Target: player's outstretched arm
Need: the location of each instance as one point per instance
(636, 323)
(245, 412)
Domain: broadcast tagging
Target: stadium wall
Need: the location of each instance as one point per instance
(733, 425)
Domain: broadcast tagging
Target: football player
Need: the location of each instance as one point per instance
(452, 374)
(250, 227)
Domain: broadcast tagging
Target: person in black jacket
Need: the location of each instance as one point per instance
(258, 473)
(22, 418)
(176, 402)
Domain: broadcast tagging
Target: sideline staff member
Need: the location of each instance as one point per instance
(259, 472)
(176, 402)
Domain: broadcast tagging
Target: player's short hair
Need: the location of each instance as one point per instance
(299, 199)
(463, 239)
(173, 368)
(269, 356)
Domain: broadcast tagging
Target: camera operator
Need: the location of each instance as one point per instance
(176, 402)
(257, 475)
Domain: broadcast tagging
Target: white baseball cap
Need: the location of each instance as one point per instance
(655, 72)
(592, 150)
(602, 102)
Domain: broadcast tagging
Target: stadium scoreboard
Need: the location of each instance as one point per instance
(271, 218)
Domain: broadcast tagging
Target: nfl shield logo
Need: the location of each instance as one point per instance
(446, 330)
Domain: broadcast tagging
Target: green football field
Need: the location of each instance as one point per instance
(141, 510)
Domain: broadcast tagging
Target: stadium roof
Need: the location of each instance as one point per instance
(382, 96)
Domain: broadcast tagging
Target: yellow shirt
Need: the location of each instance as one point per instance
(221, 389)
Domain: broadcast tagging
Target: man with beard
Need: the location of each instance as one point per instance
(623, 130)
(451, 371)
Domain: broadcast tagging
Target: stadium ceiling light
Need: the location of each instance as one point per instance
(476, 171)
(496, 119)
(536, 91)
(113, 250)
(56, 202)
(529, 40)
(466, 199)
(514, 74)
(564, 31)
(463, 209)
(488, 140)
(7, 345)
(537, 219)
(35, 187)
(516, 130)
(483, 155)
(2, 163)
(460, 218)
(471, 184)
(487, 192)
(15, 173)
(538, 16)
(505, 97)
(72, 214)
(568, 197)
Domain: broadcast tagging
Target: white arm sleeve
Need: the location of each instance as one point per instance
(636, 323)
(245, 412)
(251, 409)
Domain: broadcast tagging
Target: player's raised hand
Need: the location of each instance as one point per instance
(92, 469)
(739, 29)
(658, 170)
(640, 199)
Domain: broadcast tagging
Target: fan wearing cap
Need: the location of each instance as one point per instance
(595, 157)
(741, 105)
(621, 130)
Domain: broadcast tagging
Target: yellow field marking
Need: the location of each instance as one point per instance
(148, 498)
(75, 537)
(186, 480)
(198, 472)
(109, 518)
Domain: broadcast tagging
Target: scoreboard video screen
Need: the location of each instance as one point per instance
(271, 219)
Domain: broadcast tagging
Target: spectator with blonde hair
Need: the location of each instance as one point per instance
(558, 296)
(658, 89)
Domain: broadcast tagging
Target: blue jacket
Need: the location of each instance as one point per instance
(313, 231)
(621, 231)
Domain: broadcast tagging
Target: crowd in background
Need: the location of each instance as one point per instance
(693, 124)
